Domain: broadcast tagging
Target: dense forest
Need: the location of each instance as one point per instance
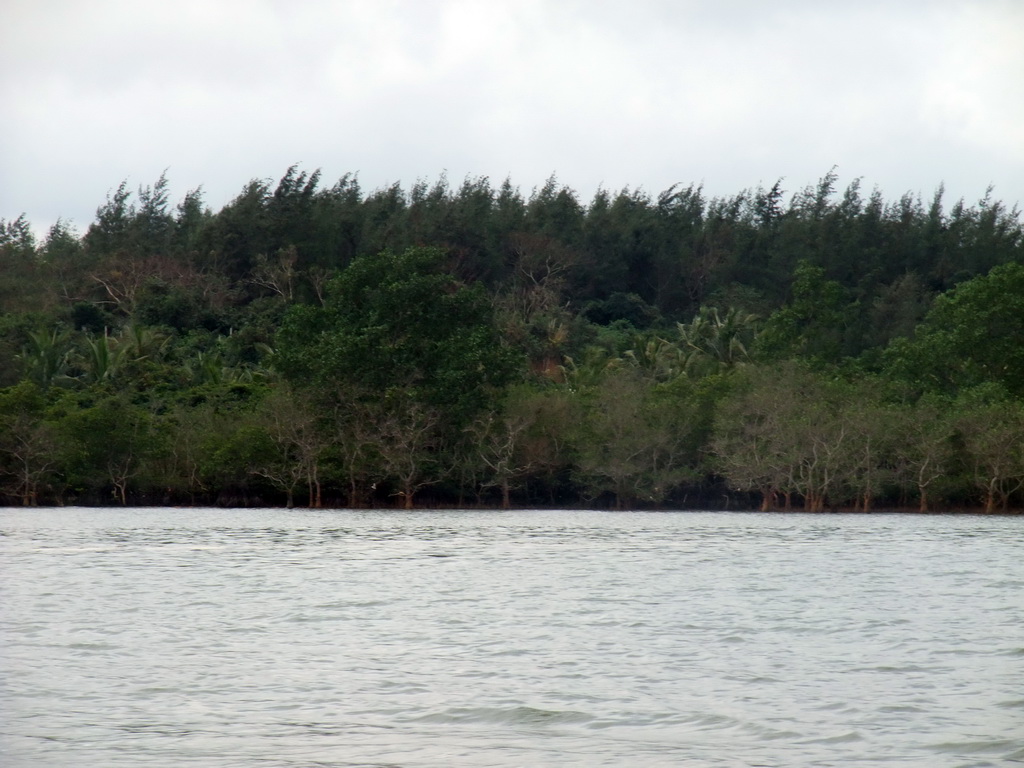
(471, 345)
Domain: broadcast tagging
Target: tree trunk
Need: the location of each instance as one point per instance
(313, 487)
(814, 502)
(990, 502)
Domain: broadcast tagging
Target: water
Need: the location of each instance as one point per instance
(198, 637)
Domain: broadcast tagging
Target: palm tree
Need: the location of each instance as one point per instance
(103, 357)
(143, 343)
(656, 357)
(716, 342)
(47, 357)
(591, 369)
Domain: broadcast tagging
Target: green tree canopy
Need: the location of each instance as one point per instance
(971, 336)
(398, 325)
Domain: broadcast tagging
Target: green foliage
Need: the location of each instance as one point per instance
(712, 341)
(28, 445)
(46, 357)
(972, 335)
(627, 441)
(991, 426)
(21, 271)
(105, 444)
(313, 344)
(399, 326)
(812, 324)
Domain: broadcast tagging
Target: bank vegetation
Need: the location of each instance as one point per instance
(471, 345)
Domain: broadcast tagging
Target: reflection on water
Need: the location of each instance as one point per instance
(167, 637)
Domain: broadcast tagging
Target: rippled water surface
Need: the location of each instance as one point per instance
(201, 637)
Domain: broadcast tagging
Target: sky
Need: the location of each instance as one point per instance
(729, 94)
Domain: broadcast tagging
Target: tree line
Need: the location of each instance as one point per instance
(472, 345)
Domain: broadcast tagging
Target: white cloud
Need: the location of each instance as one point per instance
(974, 96)
(644, 94)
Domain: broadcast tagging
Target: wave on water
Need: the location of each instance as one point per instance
(517, 715)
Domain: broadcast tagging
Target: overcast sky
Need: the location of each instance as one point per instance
(638, 93)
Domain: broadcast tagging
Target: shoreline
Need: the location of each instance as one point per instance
(426, 508)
